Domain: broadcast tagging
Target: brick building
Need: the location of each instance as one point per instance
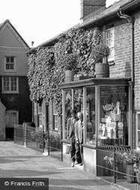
(119, 23)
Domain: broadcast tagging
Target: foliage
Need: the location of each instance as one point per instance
(46, 66)
(39, 136)
(128, 157)
(99, 52)
(131, 157)
(70, 61)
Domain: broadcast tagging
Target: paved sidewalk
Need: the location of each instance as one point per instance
(18, 161)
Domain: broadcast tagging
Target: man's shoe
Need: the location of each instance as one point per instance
(72, 165)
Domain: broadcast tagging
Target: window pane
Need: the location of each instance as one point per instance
(90, 121)
(138, 121)
(9, 66)
(13, 83)
(11, 118)
(78, 99)
(6, 84)
(113, 128)
(68, 108)
(139, 138)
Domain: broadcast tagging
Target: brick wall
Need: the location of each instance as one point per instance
(91, 6)
(122, 66)
(137, 62)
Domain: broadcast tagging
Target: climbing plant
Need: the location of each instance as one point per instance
(47, 64)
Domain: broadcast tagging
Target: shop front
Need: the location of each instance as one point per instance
(106, 107)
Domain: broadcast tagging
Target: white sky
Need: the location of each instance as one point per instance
(40, 20)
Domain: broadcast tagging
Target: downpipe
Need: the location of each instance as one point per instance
(131, 20)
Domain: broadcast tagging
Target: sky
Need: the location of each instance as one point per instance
(41, 20)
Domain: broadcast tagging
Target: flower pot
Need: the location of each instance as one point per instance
(102, 70)
(130, 174)
(68, 76)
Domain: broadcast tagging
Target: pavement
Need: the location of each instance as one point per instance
(19, 161)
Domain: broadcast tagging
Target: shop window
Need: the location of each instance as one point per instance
(68, 108)
(90, 116)
(138, 130)
(78, 100)
(113, 126)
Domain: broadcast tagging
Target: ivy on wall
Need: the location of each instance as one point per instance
(47, 65)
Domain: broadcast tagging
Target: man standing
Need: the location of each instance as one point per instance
(71, 130)
(79, 138)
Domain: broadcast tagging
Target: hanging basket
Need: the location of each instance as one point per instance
(101, 70)
(68, 76)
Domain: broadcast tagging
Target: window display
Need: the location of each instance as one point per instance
(68, 108)
(113, 127)
(90, 119)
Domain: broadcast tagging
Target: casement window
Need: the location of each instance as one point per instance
(11, 118)
(138, 130)
(10, 84)
(10, 64)
(109, 37)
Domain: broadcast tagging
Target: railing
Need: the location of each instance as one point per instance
(27, 136)
(49, 142)
(112, 167)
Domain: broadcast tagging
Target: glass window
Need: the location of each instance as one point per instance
(11, 118)
(78, 100)
(113, 125)
(10, 84)
(56, 119)
(138, 129)
(90, 113)
(68, 108)
(110, 43)
(10, 64)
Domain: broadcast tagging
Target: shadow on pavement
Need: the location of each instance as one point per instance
(26, 173)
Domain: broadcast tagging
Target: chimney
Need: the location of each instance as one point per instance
(91, 6)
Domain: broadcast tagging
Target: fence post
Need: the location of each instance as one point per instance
(25, 134)
(114, 165)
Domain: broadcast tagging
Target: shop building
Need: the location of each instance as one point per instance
(110, 106)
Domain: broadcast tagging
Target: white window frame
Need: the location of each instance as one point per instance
(137, 130)
(10, 91)
(14, 111)
(5, 62)
(111, 44)
(55, 115)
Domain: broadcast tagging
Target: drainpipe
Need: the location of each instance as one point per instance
(131, 20)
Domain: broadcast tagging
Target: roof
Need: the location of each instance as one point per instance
(7, 21)
(100, 17)
(110, 12)
(53, 40)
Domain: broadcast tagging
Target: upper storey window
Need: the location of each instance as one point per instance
(10, 64)
(110, 43)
